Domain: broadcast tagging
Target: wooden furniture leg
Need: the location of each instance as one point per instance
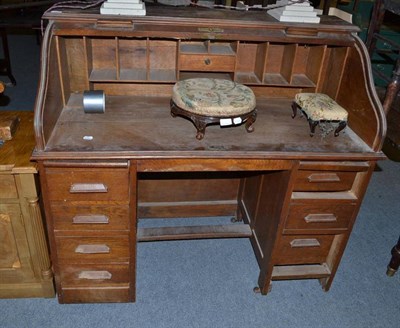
(392, 89)
(395, 261)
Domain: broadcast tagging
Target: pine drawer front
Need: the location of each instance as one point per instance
(92, 249)
(87, 184)
(303, 249)
(90, 217)
(324, 180)
(94, 275)
(311, 215)
(211, 63)
(118, 294)
(8, 189)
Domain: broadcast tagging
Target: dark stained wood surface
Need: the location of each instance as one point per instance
(143, 126)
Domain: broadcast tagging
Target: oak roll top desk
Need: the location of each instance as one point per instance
(296, 197)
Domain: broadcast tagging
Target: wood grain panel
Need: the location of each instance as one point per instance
(311, 216)
(8, 189)
(324, 181)
(60, 181)
(100, 249)
(288, 253)
(81, 218)
(94, 275)
(95, 295)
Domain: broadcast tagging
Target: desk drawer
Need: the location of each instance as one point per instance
(324, 180)
(103, 217)
(8, 188)
(94, 275)
(87, 184)
(96, 295)
(317, 216)
(303, 249)
(92, 249)
(210, 63)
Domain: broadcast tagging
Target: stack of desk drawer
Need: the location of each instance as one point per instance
(325, 201)
(90, 211)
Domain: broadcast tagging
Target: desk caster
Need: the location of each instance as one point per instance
(257, 290)
(235, 219)
(238, 217)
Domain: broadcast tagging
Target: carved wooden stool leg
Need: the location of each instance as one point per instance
(341, 126)
(294, 109)
(201, 128)
(313, 125)
(395, 261)
(250, 121)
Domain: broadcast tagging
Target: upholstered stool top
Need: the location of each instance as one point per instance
(213, 97)
(320, 107)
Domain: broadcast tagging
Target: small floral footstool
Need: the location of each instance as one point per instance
(320, 108)
(206, 101)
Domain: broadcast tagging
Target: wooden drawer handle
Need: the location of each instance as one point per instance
(312, 242)
(94, 275)
(315, 218)
(323, 177)
(88, 187)
(90, 219)
(92, 249)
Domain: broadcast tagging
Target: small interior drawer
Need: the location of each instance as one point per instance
(92, 249)
(87, 184)
(90, 217)
(94, 275)
(8, 188)
(207, 62)
(324, 180)
(302, 249)
(310, 215)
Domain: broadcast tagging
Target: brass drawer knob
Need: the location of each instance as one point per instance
(207, 61)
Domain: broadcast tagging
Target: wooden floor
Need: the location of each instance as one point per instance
(144, 124)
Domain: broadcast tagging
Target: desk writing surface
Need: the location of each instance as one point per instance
(140, 125)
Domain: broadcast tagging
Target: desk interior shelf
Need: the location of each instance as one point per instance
(96, 62)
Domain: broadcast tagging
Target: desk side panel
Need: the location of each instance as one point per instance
(357, 95)
(49, 100)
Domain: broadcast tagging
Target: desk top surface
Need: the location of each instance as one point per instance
(198, 15)
(15, 154)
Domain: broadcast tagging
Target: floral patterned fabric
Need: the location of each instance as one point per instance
(213, 97)
(320, 107)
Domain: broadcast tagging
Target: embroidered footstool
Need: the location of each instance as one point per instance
(207, 101)
(320, 108)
